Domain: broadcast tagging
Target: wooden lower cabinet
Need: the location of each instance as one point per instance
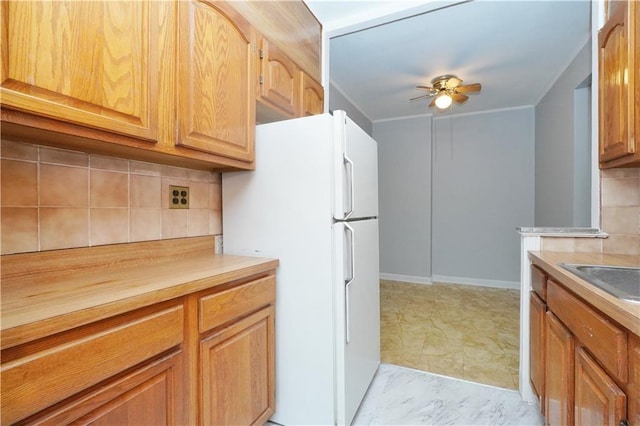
(151, 394)
(237, 372)
(144, 367)
(633, 389)
(587, 371)
(537, 309)
(598, 400)
(558, 372)
(39, 375)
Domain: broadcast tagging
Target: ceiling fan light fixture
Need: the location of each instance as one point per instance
(443, 101)
(447, 89)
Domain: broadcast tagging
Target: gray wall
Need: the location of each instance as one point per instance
(449, 210)
(404, 165)
(483, 188)
(563, 148)
(337, 100)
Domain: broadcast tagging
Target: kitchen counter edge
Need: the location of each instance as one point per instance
(41, 309)
(625, 313)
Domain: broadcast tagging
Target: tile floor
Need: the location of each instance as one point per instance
(460, 331)
(402, 396)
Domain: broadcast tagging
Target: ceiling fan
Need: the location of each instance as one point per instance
(446, 89)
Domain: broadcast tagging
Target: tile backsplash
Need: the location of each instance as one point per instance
(619, 217)
(620, 210)
(54, 199)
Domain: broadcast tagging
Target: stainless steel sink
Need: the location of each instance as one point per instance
(622, 282)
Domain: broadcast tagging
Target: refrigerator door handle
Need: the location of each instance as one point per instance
(348, 161)
(347, 283)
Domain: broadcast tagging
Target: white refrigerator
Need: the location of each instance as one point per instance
(312, 202)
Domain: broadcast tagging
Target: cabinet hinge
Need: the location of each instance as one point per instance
(261, 53)
(624, 422)
(261, 79)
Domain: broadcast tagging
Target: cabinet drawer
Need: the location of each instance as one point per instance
(605, 340)
(37, 380)
(219, 308)
(539, 282)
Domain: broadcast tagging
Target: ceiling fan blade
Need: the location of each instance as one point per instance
(424, 87)
(428, 95)
(469, 88)
(459, 98)
(452, 82)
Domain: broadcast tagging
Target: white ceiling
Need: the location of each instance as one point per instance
(516, 49)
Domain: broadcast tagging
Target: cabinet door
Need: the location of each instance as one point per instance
(88, 63)
(559, 372)
(64, 365)
(598, 400)
(537, 309)
(216, 90)
(238, 366)
(150, 394)
(633, 387)
(278, 79)
(312, 96)
(616, 97)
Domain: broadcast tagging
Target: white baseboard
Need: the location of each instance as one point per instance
(513, 285)
(405, 278)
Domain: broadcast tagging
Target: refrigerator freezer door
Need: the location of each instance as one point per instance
(358, 312)
(356, 170)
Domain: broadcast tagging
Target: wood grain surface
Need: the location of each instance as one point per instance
(605, 340)
(216, 71)
(53, 374)
(598, 400)
(625, 313)
(84, 289)
(292, 26)
(52, 69)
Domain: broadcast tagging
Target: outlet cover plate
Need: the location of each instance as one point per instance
(178, 197)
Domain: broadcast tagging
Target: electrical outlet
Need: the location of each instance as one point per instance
(218, 244)
(178, 197)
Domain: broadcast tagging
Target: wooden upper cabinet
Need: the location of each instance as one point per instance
(216, 90)
(171, 82)
(598, 400)
(618, 66)
(88, 63)
(312, 94)
(290, 25)
(278, 80)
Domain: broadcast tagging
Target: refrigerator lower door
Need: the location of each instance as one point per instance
(358, 313)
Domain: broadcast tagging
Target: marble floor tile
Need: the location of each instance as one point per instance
(402, 396)
(460, 331)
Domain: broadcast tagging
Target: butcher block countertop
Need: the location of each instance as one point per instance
(49, 292)
(625, 313)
